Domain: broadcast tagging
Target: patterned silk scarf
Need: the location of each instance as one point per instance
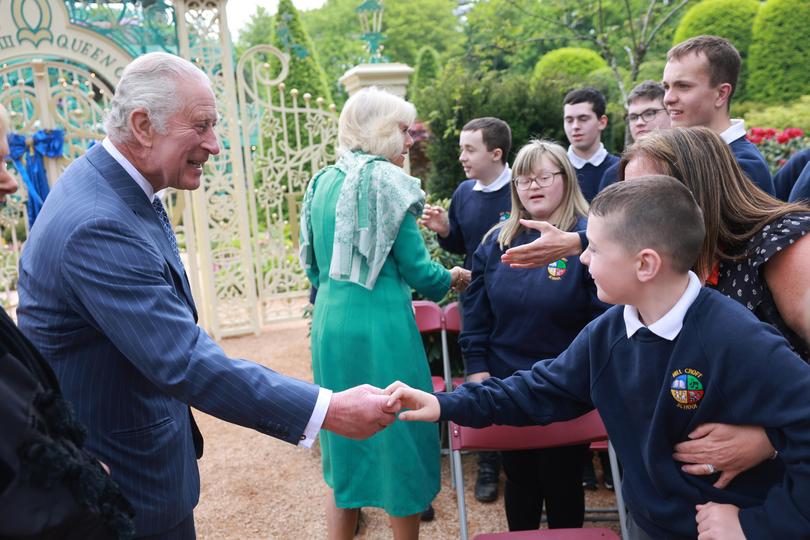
(372, 203)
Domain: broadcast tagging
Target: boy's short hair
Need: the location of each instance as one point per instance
(656, 212)
(494, 132)
(587, 95)
(647, 90)
(724, 60)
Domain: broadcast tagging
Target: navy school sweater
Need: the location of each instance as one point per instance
(800, 192)
(471, 215)
(752, 163)
(786, 177)
(590, 176)
(514, 316)
(724, 366)
(611, 176)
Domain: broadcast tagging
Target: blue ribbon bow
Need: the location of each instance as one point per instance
(46, 143)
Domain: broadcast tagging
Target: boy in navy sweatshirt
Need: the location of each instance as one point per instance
(584, 120)
(674, 356)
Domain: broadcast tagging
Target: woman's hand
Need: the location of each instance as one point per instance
(435, 219)
(727, 449)
(459, 278)
(552, 245)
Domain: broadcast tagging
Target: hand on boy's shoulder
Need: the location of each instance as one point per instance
(423, 407)
(718, 522)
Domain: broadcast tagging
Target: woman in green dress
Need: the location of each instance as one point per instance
(362, 250)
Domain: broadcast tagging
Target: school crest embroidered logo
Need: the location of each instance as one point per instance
(686, 388)
(503, 216)
(557, 269)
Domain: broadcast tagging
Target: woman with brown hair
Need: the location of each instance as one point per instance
(756, 251)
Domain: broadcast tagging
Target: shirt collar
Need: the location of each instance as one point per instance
(504, 178)
(129, 167)
(668, 326)
(596, 159)
(734, 131)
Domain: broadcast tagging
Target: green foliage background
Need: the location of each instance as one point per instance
(780, 51)
(731, 19)
(567, 63)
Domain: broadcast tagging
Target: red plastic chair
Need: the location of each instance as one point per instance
(585, 429)
(429, 318)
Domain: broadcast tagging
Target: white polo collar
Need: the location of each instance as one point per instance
(504, 178)
(734, 131)
(668, 326)
(596, 159)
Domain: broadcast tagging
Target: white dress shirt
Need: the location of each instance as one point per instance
(324, 395)
(596, 159)
(668, 326)
(504, 178)
(734, 131)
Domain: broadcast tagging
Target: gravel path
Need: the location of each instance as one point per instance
(256, 487)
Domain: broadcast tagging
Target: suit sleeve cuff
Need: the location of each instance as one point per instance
(316, 420)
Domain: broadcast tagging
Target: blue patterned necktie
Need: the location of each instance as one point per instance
(167, 228)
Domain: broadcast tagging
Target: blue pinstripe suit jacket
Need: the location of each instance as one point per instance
(104, 300)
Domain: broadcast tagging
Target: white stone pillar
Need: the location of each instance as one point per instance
(391, 77)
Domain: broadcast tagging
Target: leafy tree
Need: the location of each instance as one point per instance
(731, 19)
(456, 98)
(779, 51)
(623, 33)
(306, 73)
(568, 63)
(257, 31)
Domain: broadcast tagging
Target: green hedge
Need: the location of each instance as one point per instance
(791, 115)
(568, 63)
(731, 19)
(780, 52)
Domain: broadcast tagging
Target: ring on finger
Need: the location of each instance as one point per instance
(710, 468)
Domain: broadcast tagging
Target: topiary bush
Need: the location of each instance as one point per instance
(731, 19)
(428, 67)
(779, 52)
(567, 64)
(306, 73)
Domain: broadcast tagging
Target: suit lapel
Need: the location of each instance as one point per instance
(134, 197)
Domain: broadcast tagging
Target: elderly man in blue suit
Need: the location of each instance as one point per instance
(105, 298)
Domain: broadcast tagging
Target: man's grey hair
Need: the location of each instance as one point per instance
(149, 82)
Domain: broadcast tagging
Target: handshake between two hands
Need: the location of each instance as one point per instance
(362, 411)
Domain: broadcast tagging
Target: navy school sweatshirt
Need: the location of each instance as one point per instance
(724, 366)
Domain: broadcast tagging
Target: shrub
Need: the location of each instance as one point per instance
(796, 114)
(457, 97)
(427, 68)
(779, 51)
(731, 19)
(567, 64)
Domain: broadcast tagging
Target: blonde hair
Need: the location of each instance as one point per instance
(734, 208)
(370, 122)
(573, 205)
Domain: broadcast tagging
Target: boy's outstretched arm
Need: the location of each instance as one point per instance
(423, 407)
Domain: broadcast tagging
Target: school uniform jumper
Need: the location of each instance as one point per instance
(512, 317)
(723, 365)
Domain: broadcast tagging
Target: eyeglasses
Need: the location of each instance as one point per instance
(524, 183)
(647, 116)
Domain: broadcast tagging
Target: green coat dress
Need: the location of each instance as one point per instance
(370, 336)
